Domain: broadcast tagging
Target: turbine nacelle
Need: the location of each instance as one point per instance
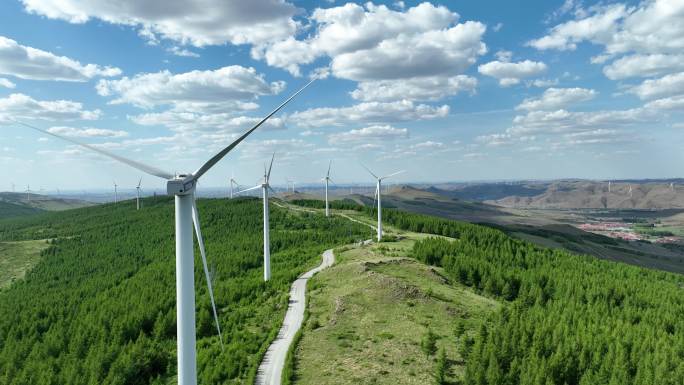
(181, 185)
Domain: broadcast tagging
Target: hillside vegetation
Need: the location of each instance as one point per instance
(99, 307)
(568, 319)
(10, 210)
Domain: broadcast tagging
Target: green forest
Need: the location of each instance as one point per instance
(99, 308)
(568, 319)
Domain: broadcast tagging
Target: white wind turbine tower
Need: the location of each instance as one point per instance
(182, 187)
(137, 199)
(290, 182)
(265, 186)
(378, 193)
(28, 192)
(233, 182)
(630, 190)
(116, 197)
(326, 180)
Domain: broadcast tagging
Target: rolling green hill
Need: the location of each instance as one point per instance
(10, 210)
(440, 301)
(99, 306)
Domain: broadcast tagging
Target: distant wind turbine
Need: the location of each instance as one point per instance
(182, 187)
(116, 197)
(137, 199)
(28, 193)
(290, 182)
(233, 182)
(326, 180)
(265, 186)
(378, 192)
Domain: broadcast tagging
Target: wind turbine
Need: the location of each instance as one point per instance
(116, 197)
(233, 182)
(290, 182)
(28, 193)
(137, 200)
(326, 180)
(182, 186)
(264, 186)
(378, 192)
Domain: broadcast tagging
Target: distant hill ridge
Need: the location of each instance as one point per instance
(14, 204)
(598, 195)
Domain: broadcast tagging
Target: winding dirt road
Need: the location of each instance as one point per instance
(271, 368)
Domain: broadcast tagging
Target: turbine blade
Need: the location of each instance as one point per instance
(133, 163)
(371, 172)
(139, 182)
(272, 190)
(249, 189)
(393, 174)
(329, 164)
(268, 176)
(200, 241)
(211, 162)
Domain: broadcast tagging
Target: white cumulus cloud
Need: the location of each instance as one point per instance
(557, 98)
(20, 106)
(87, 132)
(196, 22)
(370, 133)
(416, 89)
(194, 89)
(369, 112)
(6, 83)
(511, 73)
(667, 85)
(643, 66)
(32, 63)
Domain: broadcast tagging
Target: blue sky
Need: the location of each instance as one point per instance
(446, 90)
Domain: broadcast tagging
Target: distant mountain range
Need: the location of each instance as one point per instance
(595, 195)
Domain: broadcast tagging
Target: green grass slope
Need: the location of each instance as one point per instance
(99, 306)
(16, 258)
(380, 317)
